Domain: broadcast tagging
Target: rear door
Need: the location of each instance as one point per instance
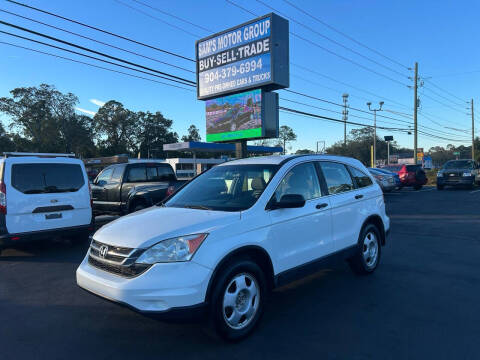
(45, 195)
(345, 200)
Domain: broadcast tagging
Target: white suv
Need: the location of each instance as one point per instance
(235, 232)
(43, 195)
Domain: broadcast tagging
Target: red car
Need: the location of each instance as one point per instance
(410, 175)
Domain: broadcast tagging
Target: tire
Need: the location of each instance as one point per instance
(242, 285)
(417, 187)
(369, 251)
(440, 187)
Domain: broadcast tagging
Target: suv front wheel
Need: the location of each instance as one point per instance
(369, 251)
(238, 299)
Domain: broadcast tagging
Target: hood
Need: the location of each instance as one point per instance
(147, 227)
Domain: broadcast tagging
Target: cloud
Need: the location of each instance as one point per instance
(88, 112)
(97, 102)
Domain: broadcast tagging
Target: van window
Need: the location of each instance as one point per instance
(47, 178)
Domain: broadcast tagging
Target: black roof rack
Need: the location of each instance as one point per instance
(43, 155)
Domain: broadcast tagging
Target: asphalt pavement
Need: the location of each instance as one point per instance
(421, 303)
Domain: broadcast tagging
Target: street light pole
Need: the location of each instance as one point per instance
(369, 104)
(345, 118)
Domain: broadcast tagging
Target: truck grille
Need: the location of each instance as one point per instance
(116, 260)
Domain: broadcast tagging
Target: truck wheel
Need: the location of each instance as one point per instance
(238, 299)
(369, 251)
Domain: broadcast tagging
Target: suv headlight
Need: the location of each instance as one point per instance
(180, 248)
(467, 173)
(439, 174)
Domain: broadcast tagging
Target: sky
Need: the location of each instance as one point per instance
(329, 55)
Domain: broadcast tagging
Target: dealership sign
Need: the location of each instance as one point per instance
(251, 55)
(249, 115)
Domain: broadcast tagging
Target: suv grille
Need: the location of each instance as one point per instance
(116, 260)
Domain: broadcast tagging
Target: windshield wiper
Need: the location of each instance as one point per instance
(200, 207)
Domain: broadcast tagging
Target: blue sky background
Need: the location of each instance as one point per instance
(440, 35)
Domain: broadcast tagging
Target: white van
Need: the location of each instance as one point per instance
(43, 195)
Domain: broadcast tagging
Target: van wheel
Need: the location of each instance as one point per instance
(369, 251)
(238, 299)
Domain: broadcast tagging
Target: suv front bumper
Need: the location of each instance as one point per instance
(164, 287)
(464, 180)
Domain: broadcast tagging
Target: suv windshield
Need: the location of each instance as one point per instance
(47, 178)
(225, 188)
(459, 164)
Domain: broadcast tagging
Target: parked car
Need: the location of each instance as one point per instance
(43, 196)
(396, 178)
(125, 188)
(410, 175)
(236, 231)
(385, 180)
(458, 173)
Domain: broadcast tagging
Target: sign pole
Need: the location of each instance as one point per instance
(241, 149)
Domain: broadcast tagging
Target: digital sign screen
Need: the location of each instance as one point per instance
(242, 58)
(235, 117)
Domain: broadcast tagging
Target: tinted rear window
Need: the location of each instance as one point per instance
(47, 178)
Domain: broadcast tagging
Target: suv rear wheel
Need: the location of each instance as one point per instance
(369, 251)
(238, 299)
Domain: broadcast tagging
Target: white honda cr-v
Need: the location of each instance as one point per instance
(233, 233)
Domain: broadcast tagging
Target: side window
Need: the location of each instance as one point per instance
(137, 174)
(105, 175)
(301, 180)
(117, 173)
(165, 173)
(362, 179)
(337, 177)
(152, 174)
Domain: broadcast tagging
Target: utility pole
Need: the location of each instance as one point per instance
(415, 108)
(375, 130)
(473, 132)
(345, 117)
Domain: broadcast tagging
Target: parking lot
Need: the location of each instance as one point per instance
(422, 303)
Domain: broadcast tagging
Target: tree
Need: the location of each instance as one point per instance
(286, 135)
(193, 134)
(115, 128)
(45, 121)
(153, 130)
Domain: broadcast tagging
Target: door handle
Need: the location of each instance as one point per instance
(321, 206)
(358, 196)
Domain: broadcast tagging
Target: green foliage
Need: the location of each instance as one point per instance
(193, 134)
(286, 135)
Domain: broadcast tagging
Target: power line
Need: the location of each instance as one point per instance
(157, 18)
(329, 51)
(442, 103)
(344, 34)
(96, 52)
(442, 96)
(102, 30)
(93, 57)
(346, 84)
(331, 40)
(445, 91)
(97, 41)
(92, 65)
(171, 15)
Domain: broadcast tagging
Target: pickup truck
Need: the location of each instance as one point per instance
(125, 188)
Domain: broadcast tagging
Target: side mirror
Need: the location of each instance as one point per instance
(100, 183)
(290, 201)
